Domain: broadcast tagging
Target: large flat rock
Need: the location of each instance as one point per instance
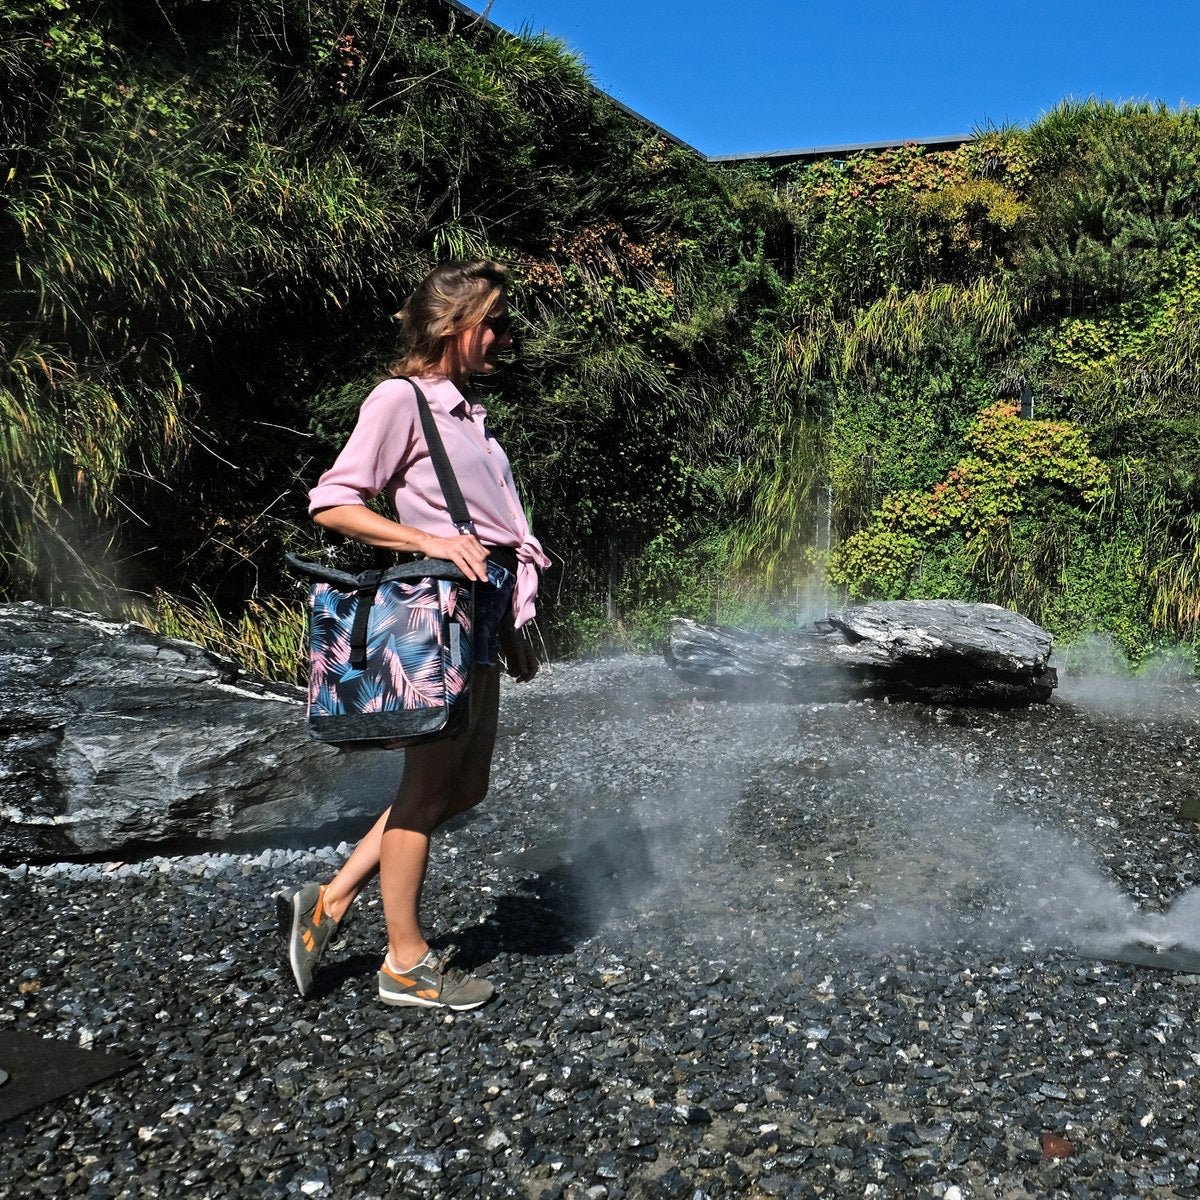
(940, 651)
(114, 738)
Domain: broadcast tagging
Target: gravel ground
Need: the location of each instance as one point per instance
(757, 950)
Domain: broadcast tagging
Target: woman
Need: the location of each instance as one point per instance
(455, 325)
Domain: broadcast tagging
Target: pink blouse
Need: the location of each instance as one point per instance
(387, 453)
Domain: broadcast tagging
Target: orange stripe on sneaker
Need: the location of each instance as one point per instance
(402, 979)
(319, 911)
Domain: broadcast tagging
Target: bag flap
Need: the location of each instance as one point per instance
(417, 568)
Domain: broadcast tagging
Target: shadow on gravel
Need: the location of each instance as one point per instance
(575, 886)
(578, 886)
(337, 974)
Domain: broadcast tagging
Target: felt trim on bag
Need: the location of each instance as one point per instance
(417, 568)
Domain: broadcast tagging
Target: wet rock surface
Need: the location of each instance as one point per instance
(758, 950)
(113, 739)
(937, 651)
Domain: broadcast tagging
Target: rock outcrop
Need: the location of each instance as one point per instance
(115, 740)
(939, 651)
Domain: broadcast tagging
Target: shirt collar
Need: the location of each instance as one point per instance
(445, 394)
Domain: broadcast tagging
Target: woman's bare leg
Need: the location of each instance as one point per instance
(440, 781)
(467, 788)
(357, 871)
(425, 791)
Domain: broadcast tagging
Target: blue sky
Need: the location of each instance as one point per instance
(732, 77)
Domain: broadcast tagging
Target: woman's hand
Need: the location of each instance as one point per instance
(466, 551)
(520, 658)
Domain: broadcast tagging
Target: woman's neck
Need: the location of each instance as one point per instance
(451, 370)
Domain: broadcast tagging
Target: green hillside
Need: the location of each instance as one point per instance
(735, 384)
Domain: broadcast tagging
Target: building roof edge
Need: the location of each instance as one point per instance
(800, 154)
(477, 18)
(805, 153)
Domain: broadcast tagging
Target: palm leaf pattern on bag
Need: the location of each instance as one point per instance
(324, 702)
(423, 613)
(318, 647)
(414, 675)
(411, 662)
(371, 696)
(329, 635)
(454, 610)
(456, 680)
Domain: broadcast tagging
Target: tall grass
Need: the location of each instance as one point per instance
(268, 639)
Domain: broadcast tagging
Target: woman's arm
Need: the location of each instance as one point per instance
(362, 524)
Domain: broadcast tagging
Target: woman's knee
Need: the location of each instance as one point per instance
(418, 810)
(468, 797)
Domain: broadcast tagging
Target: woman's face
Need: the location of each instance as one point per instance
(477, 350)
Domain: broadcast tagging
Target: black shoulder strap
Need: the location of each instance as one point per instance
(441, 464)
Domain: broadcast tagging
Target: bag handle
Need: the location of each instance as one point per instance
(415, 568)
(366, 585)
(441, 464)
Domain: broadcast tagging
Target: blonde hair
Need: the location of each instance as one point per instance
(453, 297)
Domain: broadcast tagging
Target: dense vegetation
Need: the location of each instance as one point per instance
(733, 383)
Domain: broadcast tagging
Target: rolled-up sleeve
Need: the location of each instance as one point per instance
(379, 449)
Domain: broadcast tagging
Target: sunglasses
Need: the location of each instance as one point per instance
(499, 324)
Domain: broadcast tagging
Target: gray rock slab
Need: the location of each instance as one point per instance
(939, 651)
(114, 737)
(995, 639)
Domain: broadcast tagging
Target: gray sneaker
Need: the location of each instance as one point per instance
(307, 928)
(430, 984)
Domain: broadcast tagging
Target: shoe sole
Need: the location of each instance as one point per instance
(417, 1002)
(286, 907)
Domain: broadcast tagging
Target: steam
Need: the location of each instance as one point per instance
(948, 863)
(1095, 674)
(1178, 926)
(963, 869)
(970, 875)
(634, 844)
